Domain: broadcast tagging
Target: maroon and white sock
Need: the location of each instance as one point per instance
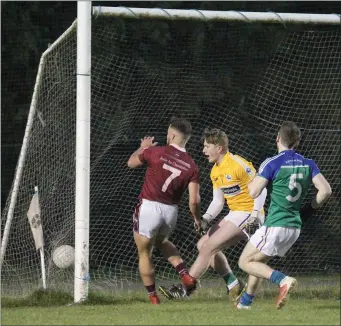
(181, 269)
(151, 289)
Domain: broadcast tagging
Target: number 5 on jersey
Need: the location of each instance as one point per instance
(293, 184)
(175, 174)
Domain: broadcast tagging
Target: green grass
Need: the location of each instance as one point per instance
(303, 312)
(313, 306)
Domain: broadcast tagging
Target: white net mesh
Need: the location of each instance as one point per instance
(244, 79)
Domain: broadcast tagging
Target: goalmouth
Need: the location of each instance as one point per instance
(116, 87)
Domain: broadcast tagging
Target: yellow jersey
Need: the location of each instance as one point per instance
(232, 176)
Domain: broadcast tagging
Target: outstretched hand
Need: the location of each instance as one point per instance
(147, 142)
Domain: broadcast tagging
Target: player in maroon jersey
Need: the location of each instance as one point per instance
(170, 171)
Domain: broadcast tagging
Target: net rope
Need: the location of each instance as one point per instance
(243, 78)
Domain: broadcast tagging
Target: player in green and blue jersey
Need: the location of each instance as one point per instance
(288, 177)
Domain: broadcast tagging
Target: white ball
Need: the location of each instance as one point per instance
(63, 256)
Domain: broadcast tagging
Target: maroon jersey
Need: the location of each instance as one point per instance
(170, 169)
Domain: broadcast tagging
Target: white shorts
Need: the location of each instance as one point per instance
(275, 241)
(242, 219)
(152, 218)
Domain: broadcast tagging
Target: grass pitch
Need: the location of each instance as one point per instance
(307, 306)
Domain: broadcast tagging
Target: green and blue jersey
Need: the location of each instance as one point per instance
(289, 175)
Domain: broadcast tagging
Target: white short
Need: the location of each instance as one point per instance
(152, 218)
(241, 219)
(274, 241)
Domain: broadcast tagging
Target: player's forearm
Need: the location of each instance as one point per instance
(216, 205)
(137, 153)
(195, 211)
(213, 210)
(324, 190)
(194, 207)
(256, 186)
(260, 200)
(254, 191)
(134, 161)
(321, 197)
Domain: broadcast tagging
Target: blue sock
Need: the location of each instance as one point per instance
(276, 277)
(246, 299)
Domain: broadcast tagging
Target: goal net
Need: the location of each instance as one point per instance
(245, 78)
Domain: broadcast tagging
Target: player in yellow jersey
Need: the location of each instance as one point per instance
(230, 176)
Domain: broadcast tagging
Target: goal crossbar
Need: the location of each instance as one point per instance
(232, 15)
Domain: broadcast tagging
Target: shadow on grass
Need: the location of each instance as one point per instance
(51, 298)
(317, 292)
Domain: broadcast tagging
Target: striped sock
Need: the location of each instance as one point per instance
(230, 280)
(276, 277)
(151, 289)
(181, 269)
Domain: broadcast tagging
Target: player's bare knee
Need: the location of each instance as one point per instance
(243, 261)
(144, 250)
(199, 245)
(201, 242)
(207, 249)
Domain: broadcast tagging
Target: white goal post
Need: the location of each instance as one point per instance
(82, 198)
(82, 182)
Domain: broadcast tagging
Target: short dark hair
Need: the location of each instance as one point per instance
(216, 137)
(182, 125)
(290, 134)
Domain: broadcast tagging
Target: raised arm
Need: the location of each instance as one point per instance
(135, 158)
(134, 161)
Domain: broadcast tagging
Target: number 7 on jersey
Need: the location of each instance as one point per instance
(175, 174)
